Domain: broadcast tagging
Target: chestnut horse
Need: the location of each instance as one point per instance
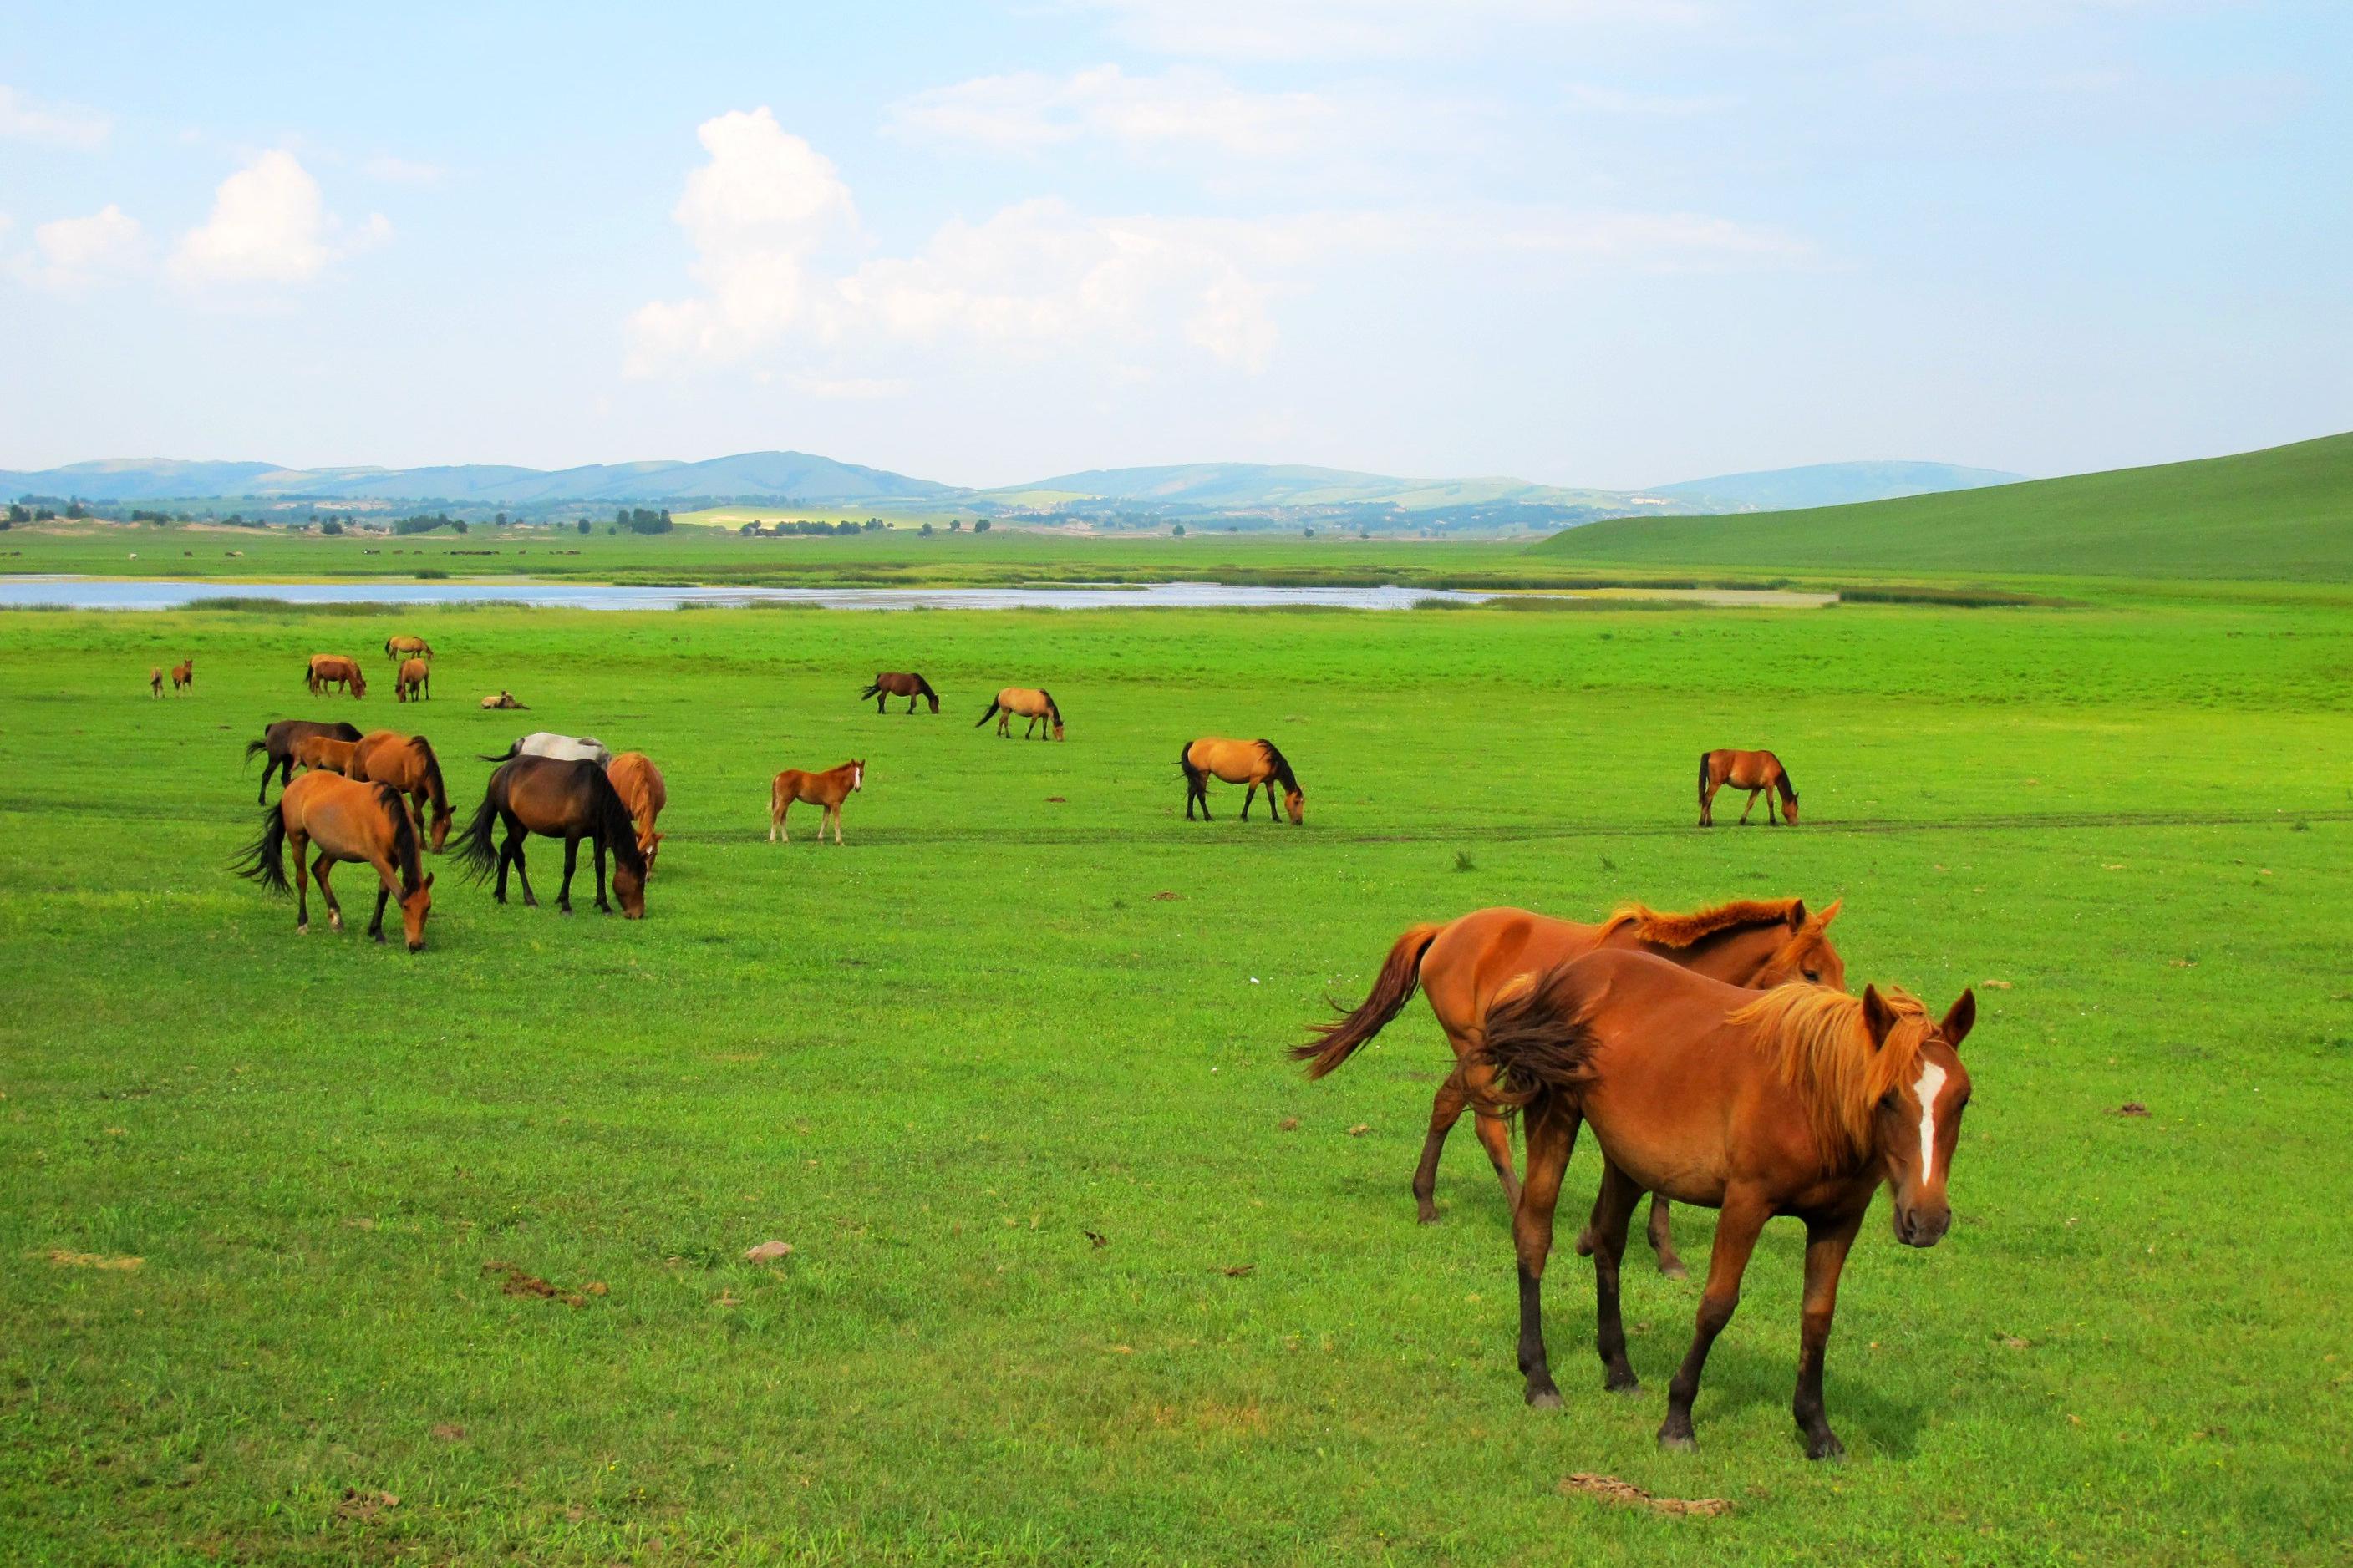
(642, 791)
(1028, 702)
(566, 799)
(1802, 1102)
(402, 647)
(277, 747)
(1460, 966)
(346, 821)
(1754, 772)
(413, 682)
(327, 669)
(183, 677)
(324, 754)
(899, 683)
(1251, 762)
(825, 791)
(407, 763)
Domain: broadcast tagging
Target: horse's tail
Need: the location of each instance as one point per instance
(613, 822)
(988, 716)
(473, 849)
(1193, 779)
(1401, 978)
(1702, 776)
(1281, 764)
(514, 749)
(255, 748)
(310, 676)
(873, 690)
(264, 861)
(1536, 1038)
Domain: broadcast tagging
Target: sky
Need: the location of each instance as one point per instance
(1611, 243)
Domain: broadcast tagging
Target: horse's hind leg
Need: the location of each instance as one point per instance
(1445, 1110)
(318, 868)
(1707, 806)
(1552, 1134)
(1611, 1210)
(299, 846)
(597, 854)
(1247, 796)
(571, 859)
(1751, 806)
(515, 837)
(1663, 1240)
(1495, 1134)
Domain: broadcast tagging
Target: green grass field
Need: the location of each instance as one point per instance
(1028, 1006)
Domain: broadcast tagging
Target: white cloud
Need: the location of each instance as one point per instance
(270, 225)
(1325, 29)
(74, 251)
(57, 124)
(1620, 101)
(395, 171)
(1183, 105)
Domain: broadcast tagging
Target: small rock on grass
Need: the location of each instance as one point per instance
(768, 1252)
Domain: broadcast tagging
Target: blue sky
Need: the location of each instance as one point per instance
(1608, 242)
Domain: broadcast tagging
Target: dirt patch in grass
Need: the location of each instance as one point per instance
(1626, 1494)
(65, 1260)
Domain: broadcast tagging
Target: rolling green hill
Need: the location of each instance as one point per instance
(2284, 513)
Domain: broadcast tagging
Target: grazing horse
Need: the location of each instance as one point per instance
(324, 754)
(1462, 964)
(642, 791)
(1802, 1101)
(825, 791)
(183, 677)
(327, 669)
(414, 683)
(277, 747)
(397, 648)
(407, 763)
(564, 748)
(1251, 762)
(155, 682)
(1029, 702)
(505, 699)
(899, 683)
(346, 821)
(562, 798)
(1754, 772)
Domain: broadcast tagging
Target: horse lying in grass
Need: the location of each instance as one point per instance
(1250, 762)
(1025, 702)
(326, 669)
(1462, 964)
(1802, 1102)
(560, 799)
(344, 821)
(277, 747)
(407, 763)
(1754, 772)
(642, 791)
(899, 683)
(825, 791)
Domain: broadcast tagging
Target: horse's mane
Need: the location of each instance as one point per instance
(423, 748)
(1051, 706)
(403, 837)
(1818, 1044)
(923, 686)
(1281, 765)
(613, 819)
(1789, 785)
(1683, 930)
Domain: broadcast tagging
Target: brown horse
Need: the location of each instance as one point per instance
(414, 683)
(1461, 965)
(1754, 772)
(277, 747)
(407, 763)
(346, 821)
(155, 680)
(397, 648)
(642, 791)
(565, 799)
(1802, 1102)
(326, 669)
(899, 683)
(324, 754)
(183, 677)
(1251, 762)
(1028, 702)
(825, 791)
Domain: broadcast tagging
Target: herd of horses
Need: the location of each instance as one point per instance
(1716, 1055)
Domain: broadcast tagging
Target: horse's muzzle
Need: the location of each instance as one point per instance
(1923, 1226)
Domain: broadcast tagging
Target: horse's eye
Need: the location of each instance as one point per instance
(1814, 976)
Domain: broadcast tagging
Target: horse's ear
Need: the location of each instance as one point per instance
(1797, 914)
(429, 878)
(1823, 920)
(1878, 1016)
(1962, 1017)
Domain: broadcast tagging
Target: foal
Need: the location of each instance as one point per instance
(825, 791)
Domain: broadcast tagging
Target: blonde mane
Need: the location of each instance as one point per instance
(1683, 930)
(1818, 1044)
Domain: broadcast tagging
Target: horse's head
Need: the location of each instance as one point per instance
(858, 773)
(1789, 808)
(413, 908)
(630, 886)
(1057, 726)
(440, 830)
(1920, 1118)
(359, 682)
(1806, 955)
(1295, 801)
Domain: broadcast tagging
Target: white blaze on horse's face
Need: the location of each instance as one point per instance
(1931, 1084)
(858, 777)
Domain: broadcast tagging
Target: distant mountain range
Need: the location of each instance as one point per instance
(784, 477)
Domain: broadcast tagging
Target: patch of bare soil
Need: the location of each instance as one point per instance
(65, 1260)
(1626, 1494)
(518, 1282)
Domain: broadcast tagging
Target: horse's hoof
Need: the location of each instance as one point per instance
(1622, 1383)
(1545, 1398)
(1678, 1443)
(563, 908)
(1584, 1244)
(377, 936)
(1825, 1446)
(303, 929)
(1674, 1270)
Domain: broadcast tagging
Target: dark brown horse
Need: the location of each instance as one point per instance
(899, 683)
(560, 799)
(407, 763)
(346, 821)
(1461, 965)
(1802, 1101)
(277, 747)
(1754, 772)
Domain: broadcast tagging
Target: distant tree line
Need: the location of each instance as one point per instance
(756, 529)
(639, 519)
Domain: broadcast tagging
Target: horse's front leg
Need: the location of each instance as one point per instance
(1551, 1135)
(571, 860)
(386, 884)
(597, 854)
(1826, 1248)
(1745, 1214)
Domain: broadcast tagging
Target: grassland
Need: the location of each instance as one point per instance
(2286, 514)
(1028, 1006)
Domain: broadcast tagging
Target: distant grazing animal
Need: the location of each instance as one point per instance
(155, 682)
(642, 791)
(277, 747)
(324, 754)
(564, 798)
(1802, 1101)
(1460, 966)
(414, 683)
(1028, 702)
(1754, 772)
(899, 683)
(327, 669)
(346, 821)
(825, 791)
(183, 677)
(401, 648)
(1251, 762)
(505, 699)
(564, 748)
(407, 763)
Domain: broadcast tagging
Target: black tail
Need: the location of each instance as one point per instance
(1535, 1038)
(988, 716)
(873, 690)
(254, 749)
(510, 755)
(1193, 777)
(264, 861)
(474, 848)
(1702, 777)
